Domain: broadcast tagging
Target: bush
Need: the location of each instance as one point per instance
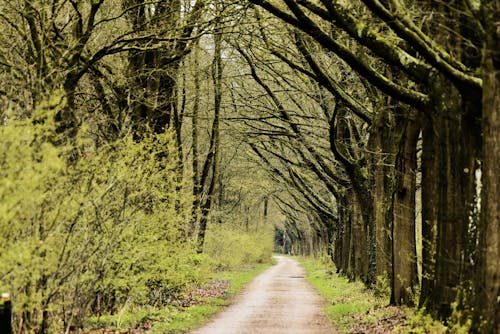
(230, 247)
(85, 230)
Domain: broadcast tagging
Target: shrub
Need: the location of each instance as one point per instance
(230, 247)
(86, 230)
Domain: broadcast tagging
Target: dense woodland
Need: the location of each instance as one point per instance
(146, 142)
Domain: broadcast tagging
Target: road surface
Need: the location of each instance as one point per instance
(280, 300)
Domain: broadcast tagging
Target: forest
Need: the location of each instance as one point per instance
(147, 143)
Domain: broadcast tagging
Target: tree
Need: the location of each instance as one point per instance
(81, 47)
(488, 283)
(446, 90)
(212, 161)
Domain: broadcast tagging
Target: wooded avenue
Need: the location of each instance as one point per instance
(149, 145)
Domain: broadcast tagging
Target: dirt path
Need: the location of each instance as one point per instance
(280, 300)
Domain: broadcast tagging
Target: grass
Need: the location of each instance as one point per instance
(345, 300)
(173, 320)
(181, 321)
(354, 309)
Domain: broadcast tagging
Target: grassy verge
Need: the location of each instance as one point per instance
(354, 309)
(345, 300)
(170, 319)
(195, 316)
(183, 320)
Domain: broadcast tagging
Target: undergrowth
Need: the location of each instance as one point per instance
(232, 257)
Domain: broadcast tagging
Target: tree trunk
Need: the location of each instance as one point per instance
(384, 145)
(404, 277)
(448, 195)
(430, 169)
(213, 158)
(488, 284)
(359, 256)
(345, 243)
(361, 199)
(154, 72)
(194, 134)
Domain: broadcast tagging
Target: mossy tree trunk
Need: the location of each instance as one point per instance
(384, 143)
(488, 281)
(449, 156)
(404, 278)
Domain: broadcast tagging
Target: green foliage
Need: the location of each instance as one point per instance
(460, 320)
(382, 287)
(87, 231)
(128, 317)
(88, 234)
(421, 322)
(231, 247)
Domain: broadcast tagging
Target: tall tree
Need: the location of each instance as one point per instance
(488, 284)
(443, 86)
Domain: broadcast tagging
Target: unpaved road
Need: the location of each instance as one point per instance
(279, 300)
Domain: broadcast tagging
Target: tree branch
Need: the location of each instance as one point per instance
(304, 23)
(405, 28)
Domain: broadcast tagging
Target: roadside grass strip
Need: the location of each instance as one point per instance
(352, 308)
(345, 300)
